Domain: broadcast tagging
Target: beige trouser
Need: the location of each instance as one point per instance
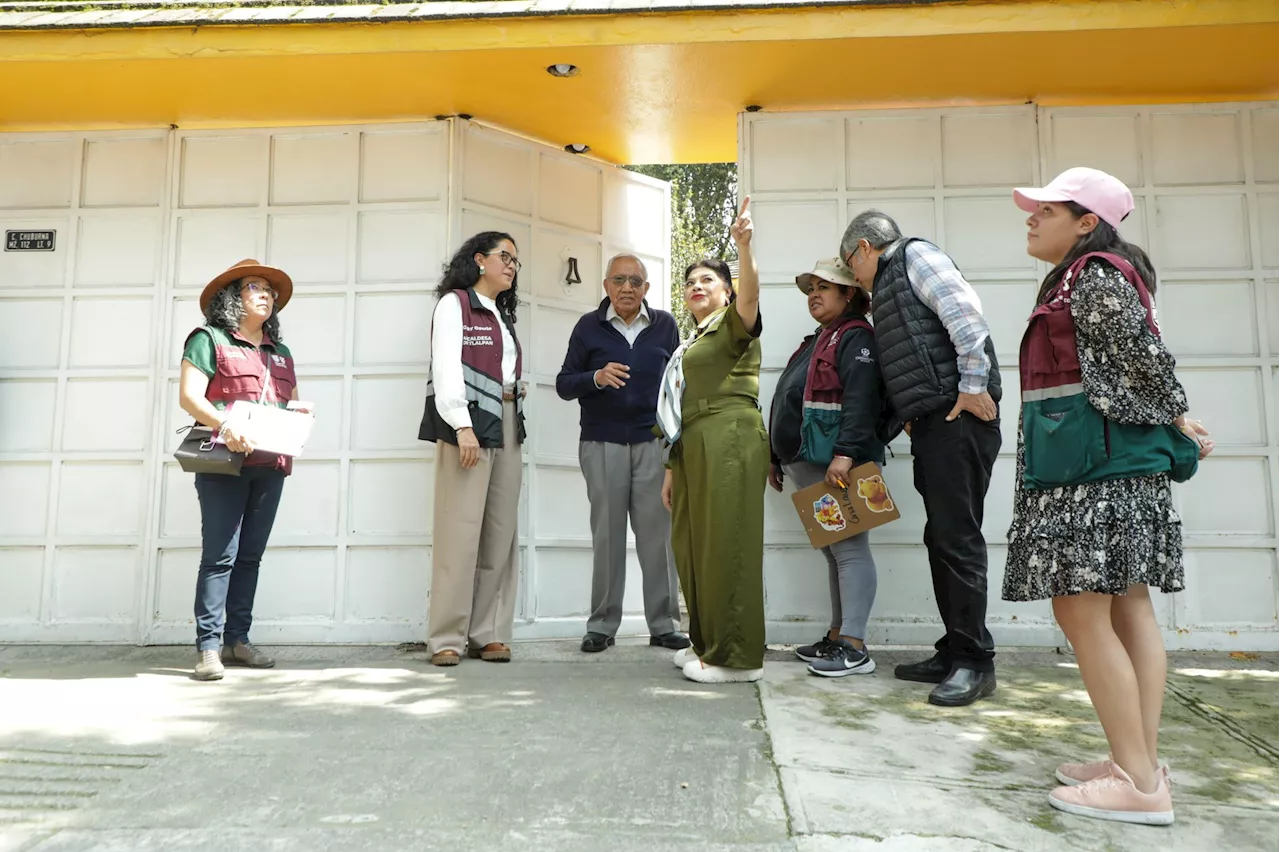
(475, 552)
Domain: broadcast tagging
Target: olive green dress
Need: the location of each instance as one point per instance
(719, 468)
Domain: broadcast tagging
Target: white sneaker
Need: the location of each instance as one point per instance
(696, 671)
(683, 657)
(209, 667)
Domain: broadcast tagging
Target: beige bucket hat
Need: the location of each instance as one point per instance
(831, 269)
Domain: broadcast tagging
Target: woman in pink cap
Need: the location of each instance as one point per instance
(1103, 432)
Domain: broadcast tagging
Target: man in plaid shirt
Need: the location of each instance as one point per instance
(940, 369)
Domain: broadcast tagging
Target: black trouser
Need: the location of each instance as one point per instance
(952, 471)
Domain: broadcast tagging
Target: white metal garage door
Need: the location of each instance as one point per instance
(99, 529)
(1204, 177)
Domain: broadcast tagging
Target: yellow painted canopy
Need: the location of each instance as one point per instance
(652, 87)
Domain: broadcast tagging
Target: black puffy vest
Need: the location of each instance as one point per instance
(917, 357)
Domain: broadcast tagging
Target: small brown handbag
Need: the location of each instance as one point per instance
(200, 453)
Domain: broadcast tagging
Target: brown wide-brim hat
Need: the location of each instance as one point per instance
(277, 278)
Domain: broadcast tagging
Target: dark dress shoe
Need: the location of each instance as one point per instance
(962, 687)
(595, 642)
(933, 670)
(670, 641)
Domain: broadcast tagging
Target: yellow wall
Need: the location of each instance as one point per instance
(654, 88)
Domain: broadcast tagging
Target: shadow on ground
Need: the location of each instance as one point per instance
(370, 748)
(895, 766)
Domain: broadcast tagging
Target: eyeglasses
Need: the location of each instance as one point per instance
(255, 289)
(635, 281)
(506, 258)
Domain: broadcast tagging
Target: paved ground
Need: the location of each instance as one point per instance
(372, 749)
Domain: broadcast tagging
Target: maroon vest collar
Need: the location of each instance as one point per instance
(1049, 359)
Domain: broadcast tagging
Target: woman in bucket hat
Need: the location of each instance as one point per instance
(236, 355)
(823, 422)
(1103, 431)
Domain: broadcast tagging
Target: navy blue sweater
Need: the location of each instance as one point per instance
(617, 415)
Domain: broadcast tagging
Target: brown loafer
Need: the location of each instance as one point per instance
(445, 658)
(494, 652)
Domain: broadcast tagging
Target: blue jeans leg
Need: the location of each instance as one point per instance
(237, 514)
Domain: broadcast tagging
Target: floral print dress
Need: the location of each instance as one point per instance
(1104, 536)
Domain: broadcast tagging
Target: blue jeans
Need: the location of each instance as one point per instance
(236, 514)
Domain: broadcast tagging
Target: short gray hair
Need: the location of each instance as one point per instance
(644, 270)
(875, 227)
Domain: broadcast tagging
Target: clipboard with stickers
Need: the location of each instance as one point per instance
(832, 514)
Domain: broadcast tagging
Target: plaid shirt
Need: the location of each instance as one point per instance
(938, 283)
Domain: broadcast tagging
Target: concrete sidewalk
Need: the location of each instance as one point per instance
(370, 748)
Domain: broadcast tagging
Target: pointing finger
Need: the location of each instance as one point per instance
(745, 201)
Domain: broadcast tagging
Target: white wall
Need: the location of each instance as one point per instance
(99, 528)
(1204, 177)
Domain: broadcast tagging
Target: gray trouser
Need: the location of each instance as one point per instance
(622, 480)
(850, 568)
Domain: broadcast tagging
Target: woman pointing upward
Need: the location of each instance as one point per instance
(709, 411)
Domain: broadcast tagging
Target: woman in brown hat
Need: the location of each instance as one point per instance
(236, 355)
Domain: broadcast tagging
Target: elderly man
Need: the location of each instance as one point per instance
(940, 371)
(616, 357)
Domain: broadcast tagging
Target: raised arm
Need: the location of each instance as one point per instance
(748, 301)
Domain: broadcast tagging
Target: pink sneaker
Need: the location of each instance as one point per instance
(1114, 797)
(1073, 774)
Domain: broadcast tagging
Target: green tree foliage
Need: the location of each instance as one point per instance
(703, 205)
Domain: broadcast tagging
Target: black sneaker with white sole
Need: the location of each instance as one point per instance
(844, 659)
(817, 651)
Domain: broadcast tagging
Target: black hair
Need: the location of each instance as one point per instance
(462, 272)
(226, 310)
(721, 270)
(1106, 238)
(859, 303)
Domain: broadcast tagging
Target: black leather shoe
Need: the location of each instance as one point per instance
(670, 641)
(962, 687)
(933, 670)
(594, 642)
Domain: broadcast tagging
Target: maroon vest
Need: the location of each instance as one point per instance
(1066, 441)
(239, 375)
(482, 341)
(482, 373)
(1049, 363)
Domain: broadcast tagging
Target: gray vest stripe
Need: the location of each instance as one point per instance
(1052, 393)
(477, 380)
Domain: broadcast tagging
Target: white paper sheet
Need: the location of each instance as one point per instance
(275, 430)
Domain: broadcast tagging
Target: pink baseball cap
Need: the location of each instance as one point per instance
(1096, 190)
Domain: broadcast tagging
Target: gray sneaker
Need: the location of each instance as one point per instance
(844, 659)
(245, 654)
(817, 651)
(209, 667)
